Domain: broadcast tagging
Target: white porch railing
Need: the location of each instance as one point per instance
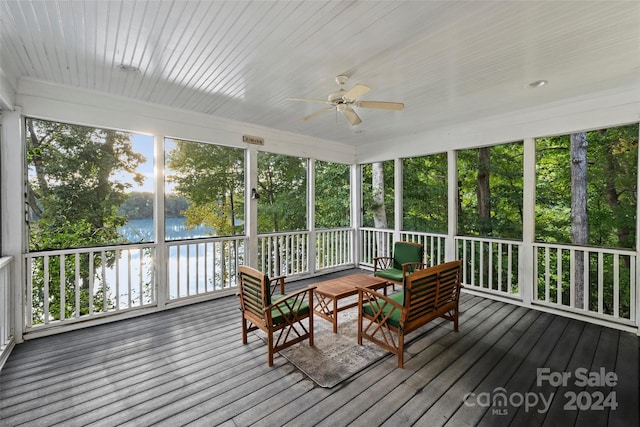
(6, 310)
(490, 265)
(334, 248)
(434, 245)
(608, 280)
(203, 266)
(68, 286)
(284, 254)
(375, 242)
(289, 253)
(65, 286)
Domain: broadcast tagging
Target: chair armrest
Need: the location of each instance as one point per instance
(297, 297)
(273, 284)
(410, 267)
(382, 263)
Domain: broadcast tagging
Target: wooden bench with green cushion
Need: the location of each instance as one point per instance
(407, 257)
(286, 318)
(427, 294)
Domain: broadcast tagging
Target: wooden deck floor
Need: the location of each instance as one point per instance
(188, 366)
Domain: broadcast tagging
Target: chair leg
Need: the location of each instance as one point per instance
(311, 325)
(455, 319)
(244, 330)
(400, 350)
(360, 322)
(270, 348)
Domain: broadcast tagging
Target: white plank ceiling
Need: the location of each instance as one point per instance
(447, 61)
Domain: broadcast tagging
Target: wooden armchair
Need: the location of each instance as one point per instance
(407, 257)
(426, 295)
(286, 319)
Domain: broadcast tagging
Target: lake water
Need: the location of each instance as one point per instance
(141, 230)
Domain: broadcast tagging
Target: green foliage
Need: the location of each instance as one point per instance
(333, 193)
(612, 157)
(424, 192)
(71, 187)
(211, 179)
(282, 185)
(73, 200)
(506, 186)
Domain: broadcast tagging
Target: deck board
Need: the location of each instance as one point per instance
(187, 366)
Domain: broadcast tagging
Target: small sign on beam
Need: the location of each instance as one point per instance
(253, 139)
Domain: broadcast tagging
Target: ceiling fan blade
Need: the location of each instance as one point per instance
(356, 92)
(382, 105)
(317, 113)
(352, 116)
(324, 101)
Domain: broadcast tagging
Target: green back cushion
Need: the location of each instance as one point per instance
(406, 252)
(394, 318)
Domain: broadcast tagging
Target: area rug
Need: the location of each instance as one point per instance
(334, 357)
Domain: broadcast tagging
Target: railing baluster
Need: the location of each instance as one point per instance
(547, 275)
(63, 292)
(559, 276)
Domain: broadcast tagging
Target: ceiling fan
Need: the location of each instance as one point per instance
(343, 101)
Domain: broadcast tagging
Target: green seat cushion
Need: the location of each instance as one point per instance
(391, 274)
(405, 252)
(278, 315)
(394, 318)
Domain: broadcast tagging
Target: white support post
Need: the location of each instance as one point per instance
(452, 208)
(311, 215)
(397, 199)
(636, 312)
(251, 207)
(356, 211)
(526, 259)
(14, 213)
(161, 256)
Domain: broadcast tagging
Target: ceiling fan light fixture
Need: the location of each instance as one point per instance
(343, 101)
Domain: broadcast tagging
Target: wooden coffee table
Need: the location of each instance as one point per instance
(328, 293)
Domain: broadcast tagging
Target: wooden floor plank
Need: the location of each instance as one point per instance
(412, 380)
(187, 366)
(581, 358)
(604, 357)
(499, 375)
(627, 369)
(449, 403)
(432, 382)
(383, 379)
(557, 362)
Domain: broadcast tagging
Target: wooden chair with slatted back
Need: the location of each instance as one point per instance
(427, 294)
(286, 319)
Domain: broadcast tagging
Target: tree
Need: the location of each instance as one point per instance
(71, 186)
(425, 193)
(73, 201)
(211, 178)
(490, 191)
(333, 195)
(377, 188)
(484, 191)
(579, 218)
(282, 181)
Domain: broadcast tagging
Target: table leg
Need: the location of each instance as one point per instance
(335, 315)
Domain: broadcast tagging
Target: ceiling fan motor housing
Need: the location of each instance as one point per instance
(336, 97)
